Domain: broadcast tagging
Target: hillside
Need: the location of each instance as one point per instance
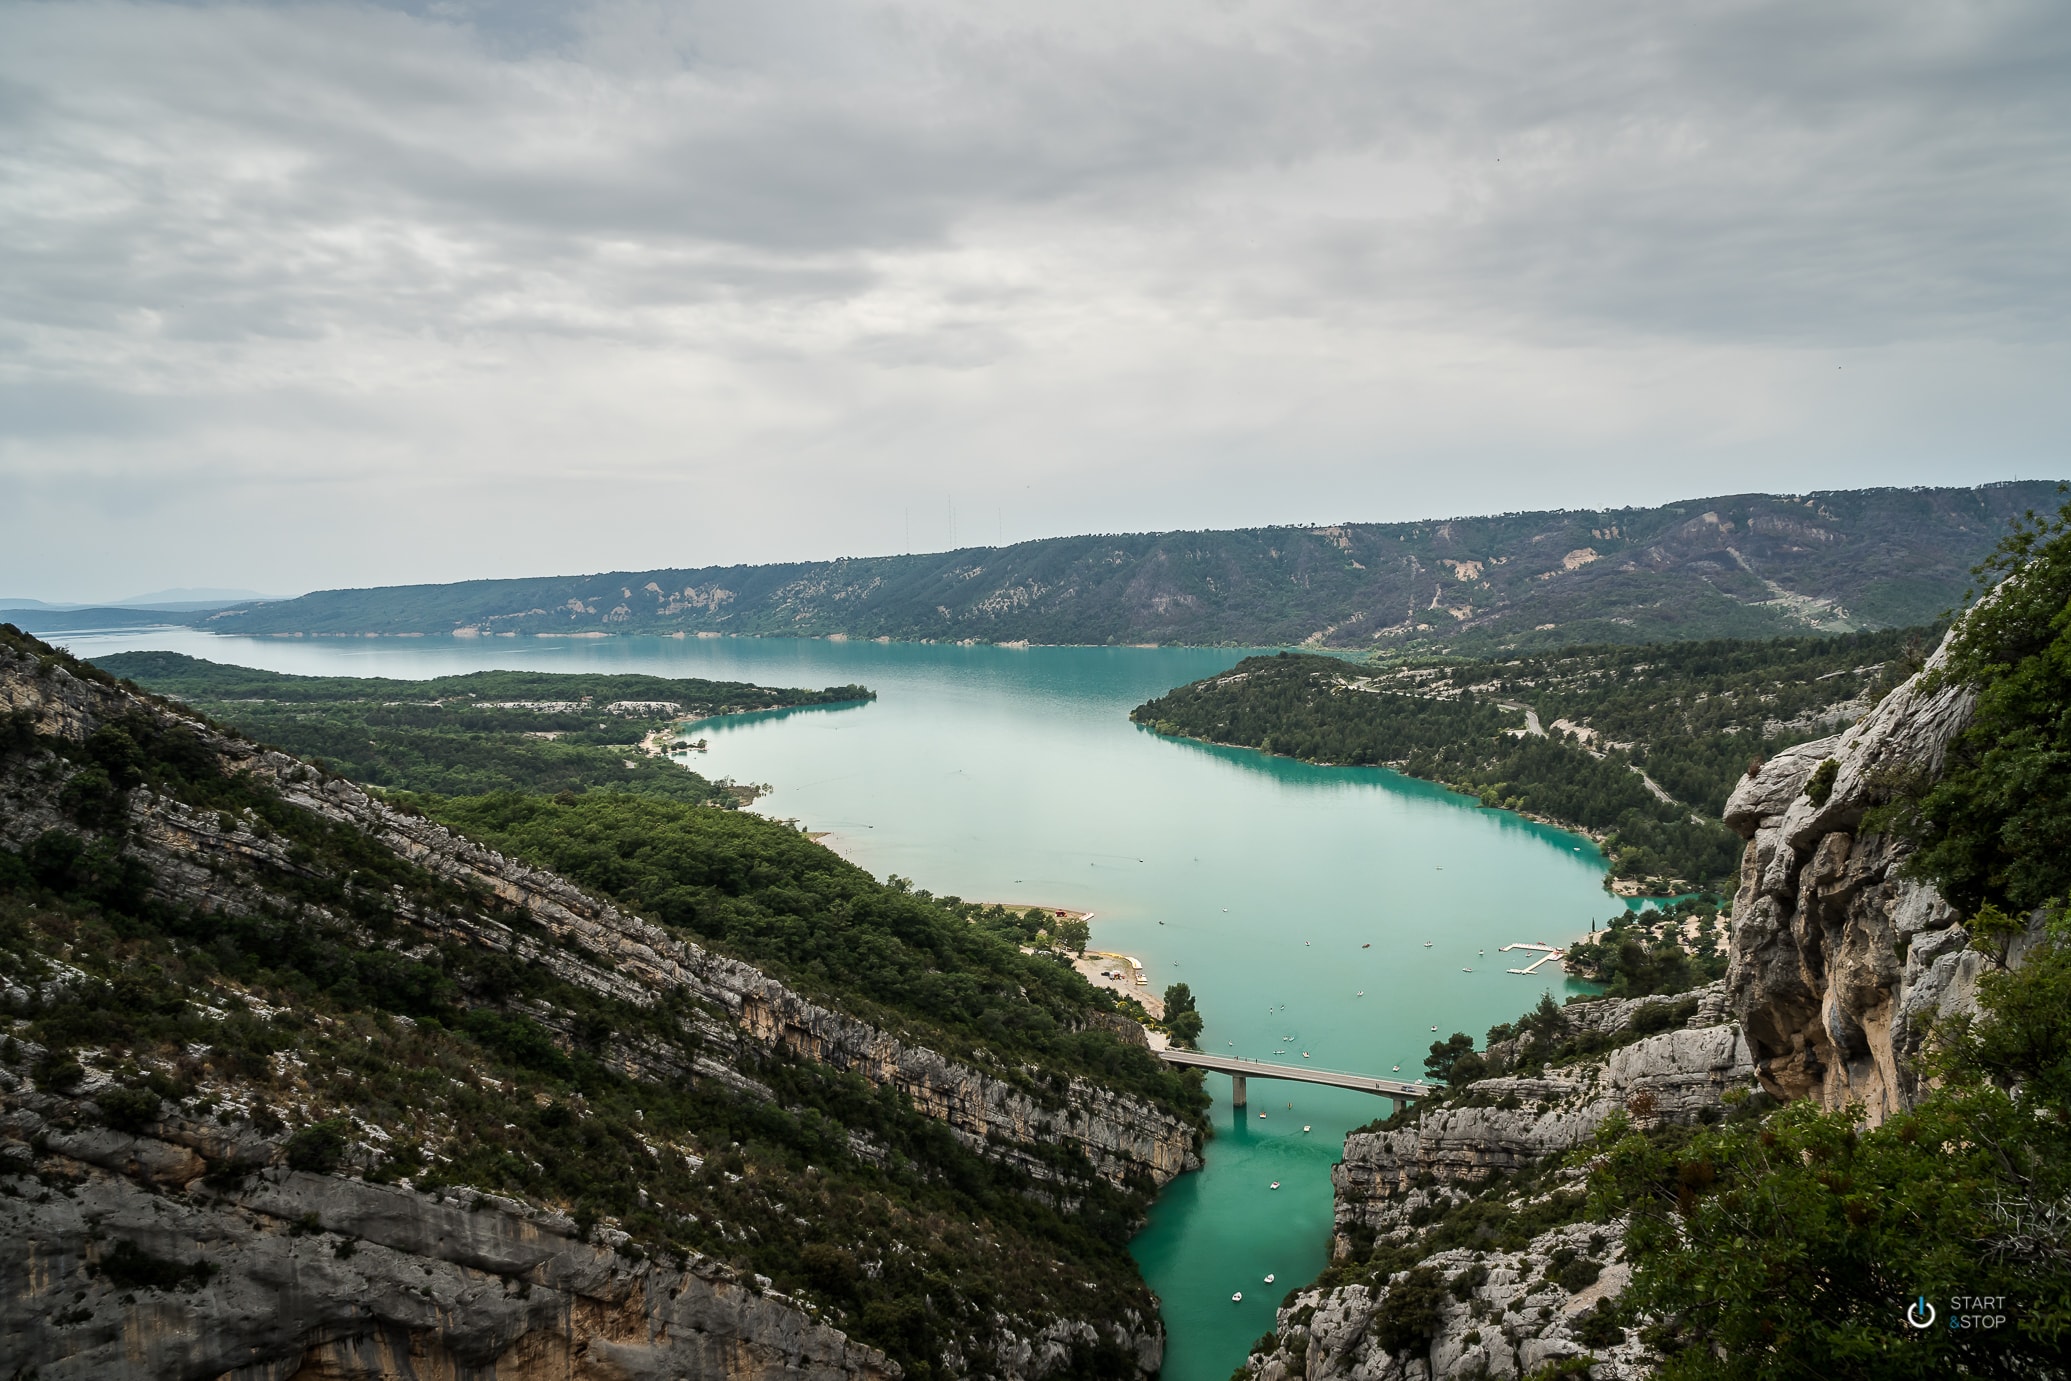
(1750, 1180)
(302, 1081)
(482, 731)
(1748, 565)
(1639, 746)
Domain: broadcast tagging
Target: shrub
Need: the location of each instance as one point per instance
(1409, 1314)
(128, 1109)
(129, 1267)
(320, 1147)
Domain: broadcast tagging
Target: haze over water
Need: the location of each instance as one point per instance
(1005, 774)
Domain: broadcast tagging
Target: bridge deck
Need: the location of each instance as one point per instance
(1258, 1069)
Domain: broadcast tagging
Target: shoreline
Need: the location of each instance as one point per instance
(1616, 886)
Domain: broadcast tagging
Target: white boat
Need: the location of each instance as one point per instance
(1269, 1277)
(1305, 1126)
(1427, 944)
(1237, 1298)
(1398, 1069)
(1466, 971)
(1261, 1117)
(1274, 1185)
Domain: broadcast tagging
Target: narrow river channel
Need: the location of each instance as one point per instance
(1327, 916)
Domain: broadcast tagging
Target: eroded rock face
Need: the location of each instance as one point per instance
(1513, 1122)
(1512, 1313)
(1838, 961)
(316, 1276)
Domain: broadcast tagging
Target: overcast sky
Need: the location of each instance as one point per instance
(321, 294)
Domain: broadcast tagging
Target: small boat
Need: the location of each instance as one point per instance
(1305, 1126)
(1398, 1069)
(1367, 945)
(1427, 944)
(1269, 1277)
(1305, 1054)
(1362, 992)
(1466, 971)
(1237, 1298)
(1274, 1185)
(1434, 1028)
(1261, 1117)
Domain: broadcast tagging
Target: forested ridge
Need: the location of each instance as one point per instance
(1690, 716)
(467, 734)
(1745, 565)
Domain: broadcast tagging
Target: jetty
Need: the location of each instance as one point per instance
(1239, 1069)
(1551, 953)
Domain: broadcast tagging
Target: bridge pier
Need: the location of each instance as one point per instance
(1236, 1090)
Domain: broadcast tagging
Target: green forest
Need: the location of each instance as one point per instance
(468, 734)
(1689, 716)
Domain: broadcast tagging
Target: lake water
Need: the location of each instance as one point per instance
(1295, 900)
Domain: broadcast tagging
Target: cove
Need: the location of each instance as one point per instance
(1295, 900)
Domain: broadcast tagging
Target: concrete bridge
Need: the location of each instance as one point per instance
(1239, 1070)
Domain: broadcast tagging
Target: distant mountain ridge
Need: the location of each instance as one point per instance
(1746, 565)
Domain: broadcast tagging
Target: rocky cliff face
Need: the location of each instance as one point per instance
(130, 1266)
(188, 1247)
(1839, 962)
(1500, 1311)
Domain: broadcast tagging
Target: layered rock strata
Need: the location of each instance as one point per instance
(1511, 1313)
(1839, 961)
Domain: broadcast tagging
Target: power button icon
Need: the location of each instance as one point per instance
(1920, 1314)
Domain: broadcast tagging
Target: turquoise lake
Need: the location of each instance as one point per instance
(1005, 774)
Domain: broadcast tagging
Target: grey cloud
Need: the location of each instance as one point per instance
(1113, 246)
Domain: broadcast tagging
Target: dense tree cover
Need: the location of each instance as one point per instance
(1691, 716)
(1641, 954)
(940, 968)
(1699, 569)
(455, 735)
(1995, 828)
(1788, 1248)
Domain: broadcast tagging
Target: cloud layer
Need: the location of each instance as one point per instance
(337, 294)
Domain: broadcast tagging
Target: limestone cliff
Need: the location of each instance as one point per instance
(187, 1244)
(1506, 1302)
(1840, 961)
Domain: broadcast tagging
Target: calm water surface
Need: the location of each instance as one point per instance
(1006, 774)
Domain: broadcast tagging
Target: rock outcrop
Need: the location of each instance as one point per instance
(1839, 961)
(319, 1276)
(1839, 964)
(1504, 1313)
